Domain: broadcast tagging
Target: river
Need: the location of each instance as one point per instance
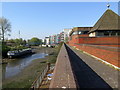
(14, 67)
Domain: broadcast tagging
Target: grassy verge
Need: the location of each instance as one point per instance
(53, 57)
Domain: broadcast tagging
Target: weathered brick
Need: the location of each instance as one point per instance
(108, 51)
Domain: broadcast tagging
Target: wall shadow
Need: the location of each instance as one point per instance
(85, 77)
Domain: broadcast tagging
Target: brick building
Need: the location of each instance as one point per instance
(78, 32)
(103, 39)
(107, 25)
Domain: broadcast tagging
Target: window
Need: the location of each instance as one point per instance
(100, 33)
(85, 32)
(82, 32)
(74, 33)
(79, 32)
(106, 33)
(118, 33)
(113, 33)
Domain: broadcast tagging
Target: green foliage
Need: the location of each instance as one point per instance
(17, 41)
(19, 47)
(53, 56)
(24, 42)
(60, 45)
(5, 48)
(35, 41)
(10, 41)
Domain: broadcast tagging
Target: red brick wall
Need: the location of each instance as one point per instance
(110, 55)
(99, 40)
(107, 55)
(73, 40)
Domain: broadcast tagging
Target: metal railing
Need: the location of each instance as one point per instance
(39, 79)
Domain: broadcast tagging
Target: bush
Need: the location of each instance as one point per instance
(17, 48)
(5, 49)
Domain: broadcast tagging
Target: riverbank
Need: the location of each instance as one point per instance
(7, 60)
(35, 49)
(26, 77)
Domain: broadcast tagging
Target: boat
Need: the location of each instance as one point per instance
(17, 53)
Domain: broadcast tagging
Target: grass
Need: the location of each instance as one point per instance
(19, 84)
(52, 58)
(54, 54)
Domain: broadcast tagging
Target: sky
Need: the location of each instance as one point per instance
(41, 19)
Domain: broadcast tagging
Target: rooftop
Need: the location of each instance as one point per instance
(108, 21)
(80, 29)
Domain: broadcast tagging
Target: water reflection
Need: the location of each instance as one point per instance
(14, 67)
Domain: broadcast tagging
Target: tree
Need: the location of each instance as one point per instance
(35, 41)
(24, 42)
(5, 26)
(11, 40)
(18, 41)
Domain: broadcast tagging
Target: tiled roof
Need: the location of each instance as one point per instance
(108, 21)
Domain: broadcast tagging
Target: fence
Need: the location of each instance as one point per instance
(39, 79)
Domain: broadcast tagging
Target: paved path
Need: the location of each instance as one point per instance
(62, 75)
(91, 73)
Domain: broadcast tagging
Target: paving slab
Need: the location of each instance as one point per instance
(63, 76)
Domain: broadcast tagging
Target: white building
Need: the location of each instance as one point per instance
(47, 40)
(66, 33)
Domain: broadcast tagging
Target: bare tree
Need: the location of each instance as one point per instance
(5, 27)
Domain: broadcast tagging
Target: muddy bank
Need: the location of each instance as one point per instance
(26, 77)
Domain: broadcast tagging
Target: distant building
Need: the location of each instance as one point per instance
(107, 25)
(57, 39)
(66, 34)
(47, 40)
(61, 37)
(52, 41)
(50, 38)
(43, 41)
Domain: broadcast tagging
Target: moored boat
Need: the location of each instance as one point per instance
(16, 53)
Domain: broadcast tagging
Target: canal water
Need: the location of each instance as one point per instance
(14, 67)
